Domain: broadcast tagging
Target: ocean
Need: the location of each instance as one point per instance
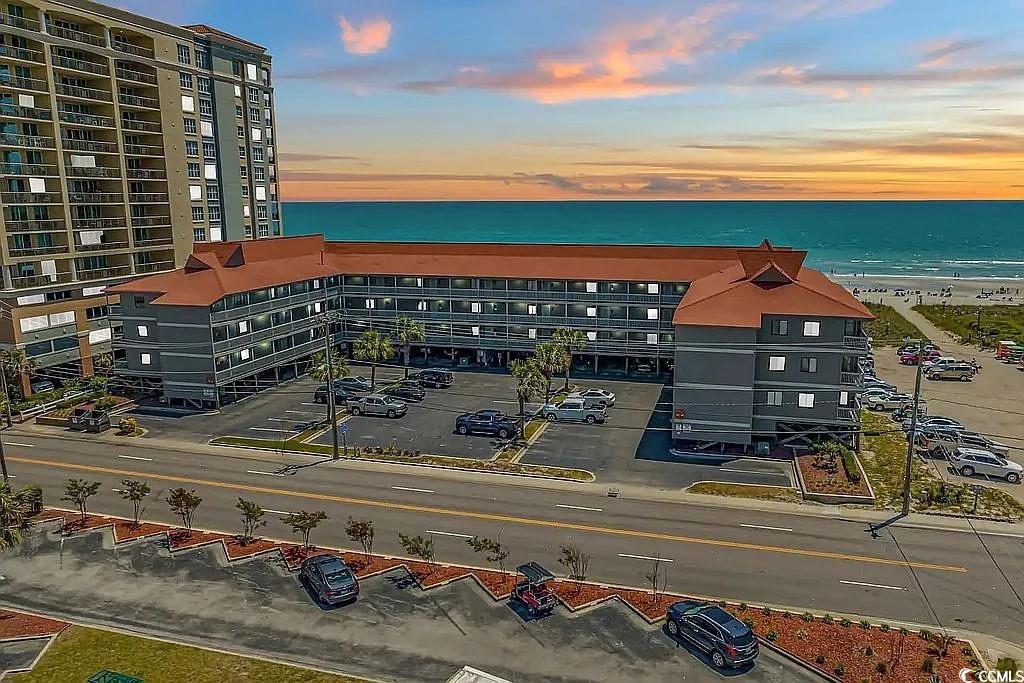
(934, 239)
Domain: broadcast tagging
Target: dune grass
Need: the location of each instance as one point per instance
(998, 323)
(889, 328)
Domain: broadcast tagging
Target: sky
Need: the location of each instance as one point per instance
(638, 99)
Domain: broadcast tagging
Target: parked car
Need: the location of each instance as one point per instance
(961, 371)
(438, 379)
(938, 442)
(331, 580)
(970, 461)
(935, 421)
(378, 404)
(409, 390)
(940, 361)
(491, 422)
(593, 396)
(727, 640)
(341, 395)
(888, 401)
(975, 440)
(879, 391)
(353, 383)
(574, 410)
(910, 357)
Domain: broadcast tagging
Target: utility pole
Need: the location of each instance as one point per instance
(912, 436)
(332, 410)
(10, 421)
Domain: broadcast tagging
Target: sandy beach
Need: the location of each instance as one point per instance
(964, 290)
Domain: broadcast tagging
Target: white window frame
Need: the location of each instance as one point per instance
(773, 398)
(844, 398)
(591, 311)
(145, 359)
(652, 338)
(591, 287)
(531, 309)
(531, 333)
(474, 307)
(812, 328)
(653, 288)
(592, 335)
(777, 363)
(476, 330)
(243, 326)
(652, 313)
(245, 354)
(805, 400)
(143, 330)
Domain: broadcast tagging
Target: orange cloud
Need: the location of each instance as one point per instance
(370, 38)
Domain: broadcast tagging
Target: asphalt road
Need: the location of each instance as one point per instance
(932, 576)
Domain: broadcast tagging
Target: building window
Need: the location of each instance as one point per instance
(591, 311)
(202, 61)
(473, 307)
(190, 126)
(188, 103)
(243, 171)
(652, 313)
(241, 152)
(591, 287)
(257, 154)
(197, 214)
(209, 150)
(261, 213)
(205, 107)
(184, 56)
(245, 191)
(652, 338)
(213, 193)
(476, 331)
(532, 333)
(531, 309)
(806, 400)
(145, 359)
(143, 331)
(96, 312)
(203, 84)
(844, 398)
(185, 80)
(262, 230)
(780, 328)
(777, 363)
(238, 114)
(808, 364)
(258, 173)
(194, 170)
(191, 148)
(214, 213)
(198, 234)
(773, 398)
(812, 328)
(592, 335)
(245, 354)
(652, 288)
(254, 116)
(243, 326)
(195, 192)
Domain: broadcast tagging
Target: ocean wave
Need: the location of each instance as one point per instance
(904, 276)
(985, 263)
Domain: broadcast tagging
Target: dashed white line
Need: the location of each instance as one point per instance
(305, 412)
(269, 474)
(449, 533)
(645, 557)
(135, 457)
(277, 512)
(116, 490)
(280, 419)
(768, 528)
(578, 507)
(271, 429)
(409, 488)
(24, 445)
(872, 585)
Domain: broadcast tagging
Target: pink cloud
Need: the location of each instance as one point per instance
(369, 38)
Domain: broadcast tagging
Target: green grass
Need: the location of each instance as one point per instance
(713, 488)
(80, 652)
(889, 328)
(884, 460)
(998, 323)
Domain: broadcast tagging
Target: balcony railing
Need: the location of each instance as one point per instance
(77, 36)
(132, 49)
(146, 173)
(79, 65)
(21, 22)
(133, 75)
(145, 221)
(31, 197)
(103, 246)
(94, 171)
(148, 197)
(40, 280)
(95, 197)
(35, 251)
(90, 145)
(102, 273)
(83, 92)
(34, 113)
(850, 378)
(22, 53)
(34, 141)
(145, 126)
(18, 168)
(154, 242)
(153, 266)
(23, 82)
(86, 119)
(101, 223)
(138, 101)
(859, 343)
(36, 224)
(144, 150)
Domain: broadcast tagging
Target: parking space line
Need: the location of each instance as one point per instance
(408, 488)
(768, 528)
(271, 429)
(280, 419)
(645, 557)
(449, 533)
(305, 403)
(872, 585)
(579, 507)
(135, 457)
(24, 445)
(278, 512)
(305, 412)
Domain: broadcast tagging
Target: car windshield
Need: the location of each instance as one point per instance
(734, 627)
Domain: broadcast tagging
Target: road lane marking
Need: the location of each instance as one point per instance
(269, 474)
(278, 512)
(872, 585)
(271, 429)
(645, 557)
(24, 445)
(768, 528)
(135, 457)
(579, 507)
(449, 533)
(489, 516)
(408, 488)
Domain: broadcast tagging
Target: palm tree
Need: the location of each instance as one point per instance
(571, 340)
(338, 366)
(409, 332)
(373, 347)
(551, 359)
(12, 518)
(530, 385)
(16, 363)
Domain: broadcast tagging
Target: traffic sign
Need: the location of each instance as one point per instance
(343, 429)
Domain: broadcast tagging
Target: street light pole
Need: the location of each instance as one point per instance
(912, 436)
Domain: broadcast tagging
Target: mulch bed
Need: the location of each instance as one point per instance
(126, 530)
(498, 584)
(73, 523)
(295, 554)
(430, 575)
(181, 539)
(816, 478)
(375, 564)
(576, 596)
(18, 625)
(237, 550)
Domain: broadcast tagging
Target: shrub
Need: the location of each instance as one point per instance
(766, 611)
(748, 622)
(928, 665)
(771, 636)
(820, 659)
(801, 634)
(743, 607)
(904, 630)
(881, 668)
(845, 623)
(787, 614)
(31, 499)
(850, 466)
(864, 623)
(827, 619)
(925, 634)
(884, 628)
(807, 616)
(128, 425)
(840, 671)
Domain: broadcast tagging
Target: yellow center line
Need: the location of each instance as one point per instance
(490, 516)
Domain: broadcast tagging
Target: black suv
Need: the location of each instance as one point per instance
(341, 396)
(726, 639)
(438, 379)
(409, 390)
(490, 422)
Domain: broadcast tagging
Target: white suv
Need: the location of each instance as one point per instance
(971, 461)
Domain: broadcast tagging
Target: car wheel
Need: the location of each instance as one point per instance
(462, 429)
(552, 417)
(355, 410)
(502, 433)
(1012, 477)
(673, 628)
(391, 413)
(967, 471)
(591, 419)
(965, 378)
(718, 659)
(935, 376)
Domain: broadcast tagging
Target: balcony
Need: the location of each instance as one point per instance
(31, 197)
(95, 197)
(146, 173)
(148, 197)
(23, 82)
(38, 224)
(103, 273)
(149, 221)
(89, 145)
(86, 119)
(77, 36)
(82, 92)
(18, 282)
(94, 171)
(155, 242)
(36, 251)
(103, 246)
(153, 266)
(33, 141)
(852, 379)
(126, 74)
(132, 49)
(19, 112)
(22, 54)
(144, 126)
(144, 150)
(102, 223)
(138, 101)
(85, 66)
(859, 343)
(18, 168)
(20, 22)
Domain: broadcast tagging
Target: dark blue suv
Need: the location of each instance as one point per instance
(726, 639)
(491, 422)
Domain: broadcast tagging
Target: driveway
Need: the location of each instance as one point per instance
(395, 631)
